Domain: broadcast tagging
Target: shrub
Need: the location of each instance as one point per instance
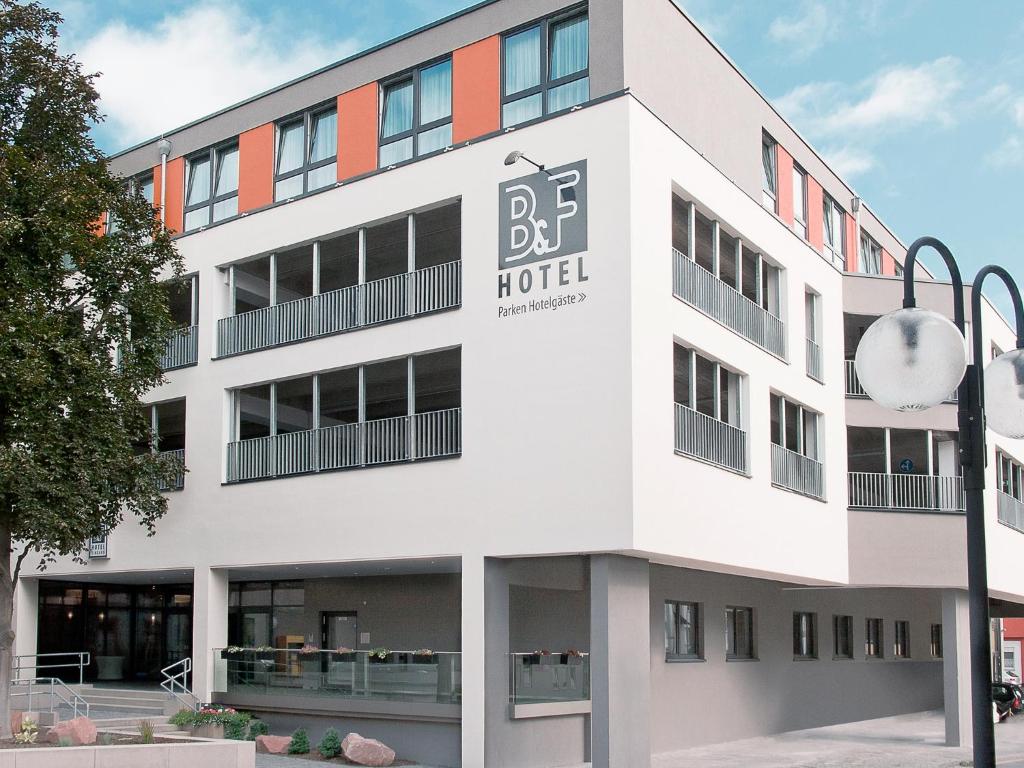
(105, 739)
(65, 741)
(29, 732)
(257, 728)
(146, 731)
(330, 744)
(299, 744)
(232, 720)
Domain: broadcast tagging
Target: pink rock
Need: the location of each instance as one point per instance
(274, 745)
(366, 751)
(79, 732)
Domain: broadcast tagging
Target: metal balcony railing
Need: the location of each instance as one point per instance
(815, 361)
(429, 435)
(718, 300)
(854, 389)
(179, 481)
(1010, 511)
(924, 493)
(710, 439)
(391, 298)
(796, 472)
(182, 348)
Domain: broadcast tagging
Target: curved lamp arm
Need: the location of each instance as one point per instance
(1018, 305)
(909, 302)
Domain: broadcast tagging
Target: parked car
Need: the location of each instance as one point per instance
(1007, 700)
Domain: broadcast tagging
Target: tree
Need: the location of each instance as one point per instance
(70, 422)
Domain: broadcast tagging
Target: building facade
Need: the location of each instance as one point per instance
(533, 467)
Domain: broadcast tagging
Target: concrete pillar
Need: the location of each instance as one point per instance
(956, 667)
(26, 617)
(209, 627)
(474, 662)
(620, 661)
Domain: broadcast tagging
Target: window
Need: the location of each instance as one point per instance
(739, 633)
(873, 639)
(800, 202)
(769, 176)
(805, 635)
(211, 186)
(842, 637)
(795, 427)
(835, 242)
(267, 613)
(935, 642)
(704, 385)
(141, 184)
(683, 631)
(183, 300)
(416, 118)
(1009, 476)
(307, 152)
(901, 643)
(870, 256)
(812, 321)
(546, 68)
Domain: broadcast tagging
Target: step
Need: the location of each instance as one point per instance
(115, 723)
(89, 691)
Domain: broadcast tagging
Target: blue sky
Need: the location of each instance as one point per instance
(919, 103)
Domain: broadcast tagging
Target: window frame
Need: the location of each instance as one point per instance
(306, 117)
(213, 154)
(730, 628)
(800, 225)
(805, 643)
(935, 640)
(723, 375)
(868, 244)
(901, 639)
(842, 653)
(769, 143)
(831, 208)
(546, 84)
(134, 184)
(874, 649)
(413, 75)
(802, 414)
(698, 631)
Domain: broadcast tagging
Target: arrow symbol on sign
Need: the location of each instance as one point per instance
(583, 297)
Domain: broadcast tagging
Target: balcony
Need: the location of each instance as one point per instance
(1009, 511)
(182, 349)
(912, 493)
(355, 680)
(796, 472)
(709, 439)
(815, 362)
(179, 481)
(699, 288)
(431, 435)
(432, 289)
(854, 389)
(543, 678)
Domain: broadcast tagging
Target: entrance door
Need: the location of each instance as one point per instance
(179, 636)
(340, 630)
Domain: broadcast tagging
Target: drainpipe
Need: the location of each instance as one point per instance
(855, 207)
(164, 147)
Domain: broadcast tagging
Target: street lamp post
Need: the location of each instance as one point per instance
(910, 360)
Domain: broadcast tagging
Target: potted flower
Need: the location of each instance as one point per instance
(423, 656)
(537, 656)
(210, 721)
(379, 655)
(571, 656)
(344, 653)
(233, 653)
(264, 652)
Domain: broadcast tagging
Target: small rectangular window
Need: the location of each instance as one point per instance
(307, 152)
(800, 201)
(683, 630)
(769, 177)
(739, 633)
(873, 639)
(416, 114)
(870, 256)
(936, 641)
(805, 635)
(901, 640)
(842, 637)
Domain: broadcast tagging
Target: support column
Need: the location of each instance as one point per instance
(620, 661)
(474, 662)
(956, 667)
(26, 617)
(209, 627)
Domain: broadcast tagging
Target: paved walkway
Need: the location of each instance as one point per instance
(279, 761)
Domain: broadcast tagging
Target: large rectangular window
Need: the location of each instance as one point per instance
(739, 633)
(1009, 476)
(183, 300)
(800, 201)
(683, 631)
(769, 173)
(307, 153)
(211, 186)
(901, 639)
(873, 639)
(842, 637)
(795, 427)
(870, 256)
(546, 68)
(416, 114)
(832, 222)
(805, 635)
(706, 386)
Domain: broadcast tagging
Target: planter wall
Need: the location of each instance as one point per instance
(203, 754)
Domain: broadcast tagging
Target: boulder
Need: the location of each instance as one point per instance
(366, 751)
(273, 745)
(78, 732)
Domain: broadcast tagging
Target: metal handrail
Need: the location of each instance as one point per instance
(710, 439)
(571, 681)
(1009, 511)
(880, 490)
(56, 692)
(796, 472)
(175, 682)
(854, 389)
(84, 659)
(815, 361)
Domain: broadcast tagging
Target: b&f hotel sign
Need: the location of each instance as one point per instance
(542, 240)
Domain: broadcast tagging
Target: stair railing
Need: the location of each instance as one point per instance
(175, 682)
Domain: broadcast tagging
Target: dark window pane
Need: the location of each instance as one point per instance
(908, 451)
(339, 262)
(171, 425)
(704, 242)
(706, 386)
(254, 412)
(252, 285)
(256, 593)
(438, 380)
(776, 415)
(750, 273)
(179, 300)
(792, 426)
(865, 449)
(681, 375)
(386, 389)
(289, 593)
(439, 236)
(339, 397)
(295, 274)
(387, 249)
(294, 405)
(680, 224)
(727, 258)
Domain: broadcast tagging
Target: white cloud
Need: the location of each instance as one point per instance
(192, 63)
(1009, 152)
(849, 161)
(805, 32)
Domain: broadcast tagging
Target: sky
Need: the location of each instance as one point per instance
(918, 104)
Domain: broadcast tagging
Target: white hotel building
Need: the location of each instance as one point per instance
(615, 472)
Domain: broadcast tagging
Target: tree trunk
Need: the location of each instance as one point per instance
(6, 628)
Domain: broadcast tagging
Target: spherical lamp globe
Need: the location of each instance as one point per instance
(1004, 394)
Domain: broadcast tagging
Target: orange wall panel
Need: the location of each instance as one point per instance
(1013, 629)
(256, 168)
(784, 166)
(888, 264)
(357, 131)
(476, 89)
(815, 215)
(851, 243)
(175, 195)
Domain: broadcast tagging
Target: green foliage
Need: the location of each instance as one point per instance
(299, 745)
(235, 723)
(69, 416)
(146, 731)
(236, 727)
(65, 741)
(105, 739)
(28, 733)
(257, 728)
(330, 744)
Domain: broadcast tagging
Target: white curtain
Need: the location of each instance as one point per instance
(397, 109)
(227, 171)
(289, 149)
(324, 143)
(522, 60)
(435, 92)
(569, 47)
(198, 181)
